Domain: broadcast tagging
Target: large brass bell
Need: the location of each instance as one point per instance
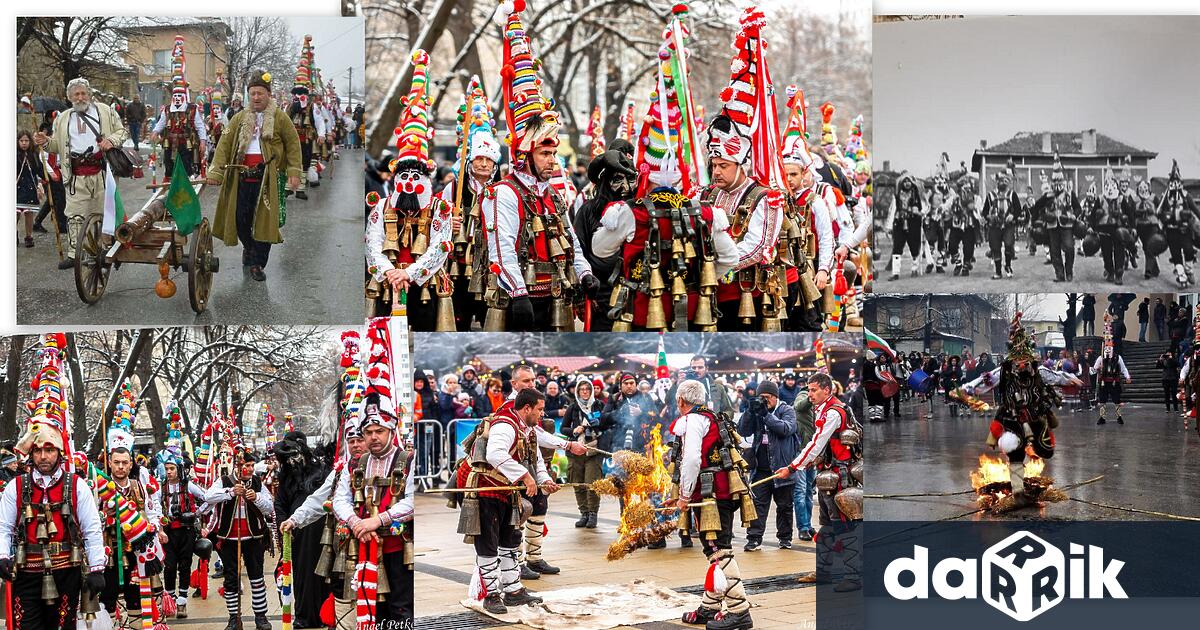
(536, 225)
(656, 280)
(746, 307)
(494, 321)
(445, 313)
(49, 590)
(827, 480)
(678, 287)
(555, 249)
(656, 318)
(420, 244)
(689, 250)
(708, 273)
(557, 320)
(704, 313)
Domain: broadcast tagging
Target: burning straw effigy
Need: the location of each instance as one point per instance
(644, 486)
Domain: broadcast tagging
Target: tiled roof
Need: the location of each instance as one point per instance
(1064, 142)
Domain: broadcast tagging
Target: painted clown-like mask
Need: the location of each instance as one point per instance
(413, 190)
(1110, 189)
(177, 102)
(216, 109)
(1058, 183)
(1143, 190)
(301, 99)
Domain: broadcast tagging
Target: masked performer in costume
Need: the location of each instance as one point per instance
(536, 263)
(300, 472)
(1179, 218)
(181, 127)
(1001, 213)
(614, 180)
(309, 125)
(907, 209)
(1059, 210)
(1110, 371)
(1025, 402)
(182, 501)
(410, 232)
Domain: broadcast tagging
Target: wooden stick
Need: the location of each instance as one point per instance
(763, 480)
(1178, 517)
(496, 488)
(690, 506)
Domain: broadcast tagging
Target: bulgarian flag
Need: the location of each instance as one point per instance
(662, 373)
(875, 342)
(114, 210)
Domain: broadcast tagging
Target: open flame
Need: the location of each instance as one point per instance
(643, 484)
(994, 470)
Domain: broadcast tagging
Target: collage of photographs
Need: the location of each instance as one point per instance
(581, 315)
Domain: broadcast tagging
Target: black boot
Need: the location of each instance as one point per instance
(235, 623)
(583, 519)
(1120, 420)
(700, 616)
(541, 566)
(261, 622)
(591, 522)
(521, 598)
(529, 574)
(731, 621)
(493, 604)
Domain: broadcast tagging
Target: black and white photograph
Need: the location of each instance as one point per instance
(1028, 153)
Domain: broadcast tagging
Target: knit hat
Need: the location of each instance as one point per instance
(303, 81)
(768, 387)
(530, 117)
(1020, 344)
(596, 132)
(475, 119)
(659, 150)
(179, 86)
(414, 136)
(47, 423)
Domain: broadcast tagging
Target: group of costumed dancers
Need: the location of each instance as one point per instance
(941, 222)
(686, 224)
(112, 543)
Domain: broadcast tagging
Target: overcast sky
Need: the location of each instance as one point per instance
(943, 85)
(339, 45)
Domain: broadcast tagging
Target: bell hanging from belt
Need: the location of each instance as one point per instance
(746, 307)
(382, 585)
(558, 319)
(426, 295)
(656, 318)
(460, 236)
(325, 560)
(708, 273)
(555, 248)
(710, 518)
(749, 512)
(454, 269)
(445, 312)
(42, 532)
(468, 516)
(494, 321)
(420, 244)
(689, 250)
(677, 248)
(76, 555)
(530, 274)
(703, 317)
(49, 589)
(678, 287)
(536, 225)
(657, 285)
(770, 319)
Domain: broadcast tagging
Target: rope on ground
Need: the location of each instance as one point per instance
(922, 525)
(1179, 517)
(952, 494)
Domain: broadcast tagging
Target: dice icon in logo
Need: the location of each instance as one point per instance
(1023, 576)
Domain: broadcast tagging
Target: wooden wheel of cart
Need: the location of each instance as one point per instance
(91, 270)
(201, 265)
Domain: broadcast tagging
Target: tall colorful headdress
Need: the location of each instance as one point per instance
(628, 121)
(414, 135)
(829, 143)
(475, 125)
(596, 132)
(749, 100)
(120, 433)
(379, 406)
(47, 424)
(269, 430)
(1020, 343)
(179, 85)
(304, 78)
(1108, 336)
(795, 136)
(529, 115)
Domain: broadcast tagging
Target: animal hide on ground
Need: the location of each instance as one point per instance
(598, 608)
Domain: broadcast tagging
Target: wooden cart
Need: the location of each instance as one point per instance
(148, 237)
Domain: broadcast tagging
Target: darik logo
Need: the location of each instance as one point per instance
(1023, 576)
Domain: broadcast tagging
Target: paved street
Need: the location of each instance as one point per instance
(1148, 463)
(313, 277)
(444, 566)
(1031, 274)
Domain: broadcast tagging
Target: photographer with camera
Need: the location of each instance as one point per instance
(718, 397)
(632, 413)
(181, 499)
(770, 425)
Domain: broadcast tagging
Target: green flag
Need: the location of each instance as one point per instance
(181, 200)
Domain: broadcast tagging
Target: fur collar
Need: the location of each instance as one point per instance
(246, 128)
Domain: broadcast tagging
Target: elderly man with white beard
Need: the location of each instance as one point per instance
(80, 136)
